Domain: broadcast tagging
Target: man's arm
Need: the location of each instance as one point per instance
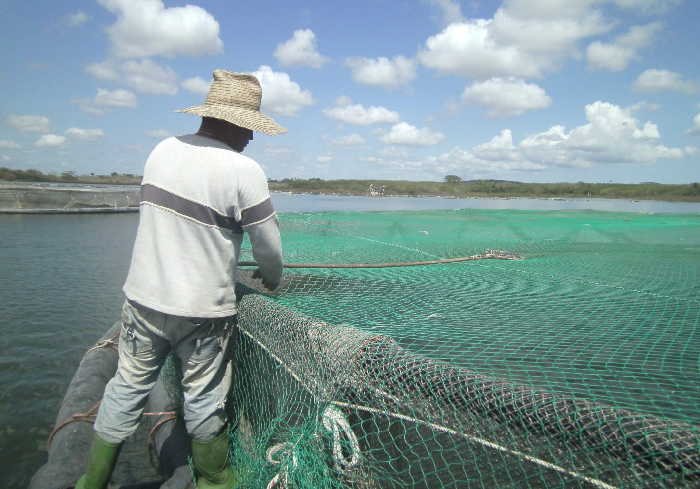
(267, 251)
(259, 220)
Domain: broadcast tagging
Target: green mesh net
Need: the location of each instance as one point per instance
(576, 366)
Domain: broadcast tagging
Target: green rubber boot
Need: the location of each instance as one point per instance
(103, 457)
(211, 464)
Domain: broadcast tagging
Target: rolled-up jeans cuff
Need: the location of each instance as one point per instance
(108, 438)
(209, 429)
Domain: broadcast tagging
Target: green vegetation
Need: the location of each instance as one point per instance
(114, 178)
(451, 186)
(454, 186)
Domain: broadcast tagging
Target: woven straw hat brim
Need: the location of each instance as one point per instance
(248, 118)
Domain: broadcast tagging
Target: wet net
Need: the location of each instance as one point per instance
(575, 366)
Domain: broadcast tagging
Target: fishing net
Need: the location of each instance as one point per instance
(574, 366)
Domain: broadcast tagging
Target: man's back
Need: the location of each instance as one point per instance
(198, 195)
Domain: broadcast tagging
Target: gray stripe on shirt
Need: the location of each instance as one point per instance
(257, 213)
(194, 210)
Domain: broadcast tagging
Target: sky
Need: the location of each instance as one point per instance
(525, 90)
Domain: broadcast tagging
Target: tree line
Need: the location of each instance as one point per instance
(451, 186)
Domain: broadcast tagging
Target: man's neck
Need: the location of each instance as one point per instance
(212, 135)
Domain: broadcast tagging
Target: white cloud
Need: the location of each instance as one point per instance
(280, 95)
(372, 159)
(148, 77)
(450, 10)
(611, 136)
(76, 132)
(300, 50)
(663, 80)
(359, 115)
(5, 158)
(158, 133)
(77, 18)
(106, 98)
(50, 140)
(399, 167)
(500, 150)
(29, 123)
(114, 98)
(548, 28)
(144, 76)
(277, 150)
(8, 144)
(506, 97)
(644, 106)
(468, 49)
(394, 152)
(648, 6)
(695, 130)
(196, 85)
(458, 160)
(615, 56)
(148, 28)
(88, 106)
(349, 140)
(106, 70)
(324, 158)
(404, 133)
(525, 38)
(382, 71)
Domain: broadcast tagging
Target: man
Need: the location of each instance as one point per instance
(198, 196)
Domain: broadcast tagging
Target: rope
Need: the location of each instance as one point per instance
(112, 343)
(282, 477)
(90, 416)
(170, 416)
(488, 254)
(151, 445)
(335, 421)
(337, 424)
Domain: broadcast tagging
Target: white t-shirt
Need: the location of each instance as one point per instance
(198, 196)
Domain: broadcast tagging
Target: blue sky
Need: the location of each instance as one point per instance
(528, 90)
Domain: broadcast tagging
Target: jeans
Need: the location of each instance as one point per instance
(145, 340)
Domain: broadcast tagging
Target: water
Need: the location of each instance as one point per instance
(60, 289)
(60, 278)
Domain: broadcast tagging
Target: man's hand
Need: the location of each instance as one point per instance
(268, 285)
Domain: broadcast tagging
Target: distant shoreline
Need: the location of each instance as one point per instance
(491, 189)
(76, 198)
(453, 188)
(485, 196)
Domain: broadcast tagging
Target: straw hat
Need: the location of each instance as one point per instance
(235, 98)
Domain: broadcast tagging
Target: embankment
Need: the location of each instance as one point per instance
(26, 199)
